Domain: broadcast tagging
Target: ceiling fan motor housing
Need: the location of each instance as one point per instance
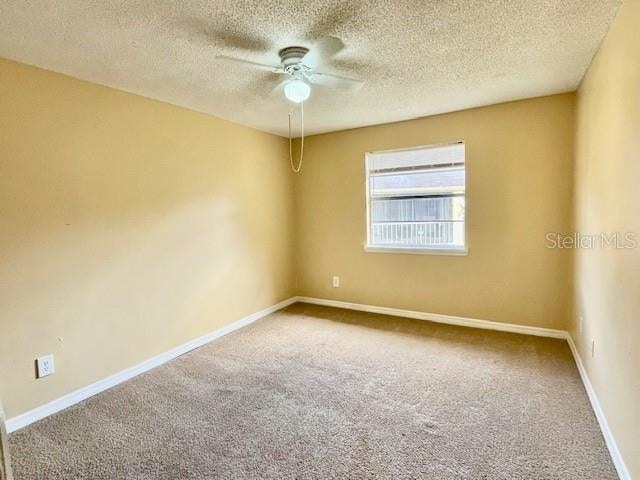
(291, 58)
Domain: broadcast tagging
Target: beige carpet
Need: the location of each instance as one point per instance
(314, 392)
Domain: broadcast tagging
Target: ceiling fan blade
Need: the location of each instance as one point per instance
(322, 50)
(229, 34)
(335, 81)
(262, 66)
(279, 89)
(259, 86)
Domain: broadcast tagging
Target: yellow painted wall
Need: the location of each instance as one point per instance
(519, 170)
(607, 186)
(127, 227)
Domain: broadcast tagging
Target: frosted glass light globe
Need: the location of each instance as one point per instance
(297, 91)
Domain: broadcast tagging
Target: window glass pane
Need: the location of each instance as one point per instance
(417, 209)
(415, 199)
(419, 222)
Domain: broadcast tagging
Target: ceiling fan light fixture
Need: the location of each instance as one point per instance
(297, 90)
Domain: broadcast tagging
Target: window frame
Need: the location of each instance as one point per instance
(439, 250)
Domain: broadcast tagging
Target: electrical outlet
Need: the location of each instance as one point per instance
(593, 347)
(45, 366)
(336, 282)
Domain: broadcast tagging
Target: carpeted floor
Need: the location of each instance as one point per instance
(314, 392)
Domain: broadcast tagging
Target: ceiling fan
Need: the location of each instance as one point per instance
(301, 65)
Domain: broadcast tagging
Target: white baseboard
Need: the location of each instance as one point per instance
(439, 318)
(83, 393)
(621, 468)
(609, 439)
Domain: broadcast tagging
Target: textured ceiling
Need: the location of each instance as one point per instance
(417, 58)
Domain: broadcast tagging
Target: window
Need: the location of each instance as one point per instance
(416, 199)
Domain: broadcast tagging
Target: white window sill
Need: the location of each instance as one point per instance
(455, 251)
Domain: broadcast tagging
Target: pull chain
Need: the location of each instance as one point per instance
(296, 170)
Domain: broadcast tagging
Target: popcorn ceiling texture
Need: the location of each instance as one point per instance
(417, 58)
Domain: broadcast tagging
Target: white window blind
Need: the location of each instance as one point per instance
(416, 198)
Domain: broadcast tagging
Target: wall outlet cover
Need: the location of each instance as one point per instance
(336, 282)
(45, 366)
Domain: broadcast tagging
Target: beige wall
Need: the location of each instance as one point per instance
(519, 169)
(607, 281)
(127, 227)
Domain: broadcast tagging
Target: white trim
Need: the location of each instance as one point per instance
(440, 318)
(83, 393)
(369, 247)
(419, 147)
(367, 199)
(609, 439)
(458, 252)
(5, 462)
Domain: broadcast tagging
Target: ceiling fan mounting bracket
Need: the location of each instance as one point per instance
(297, 70)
